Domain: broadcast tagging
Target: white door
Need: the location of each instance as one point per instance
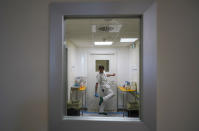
(110, 67)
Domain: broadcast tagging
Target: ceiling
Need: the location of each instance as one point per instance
(84, 32)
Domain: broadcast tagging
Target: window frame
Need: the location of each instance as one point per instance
(57, 121)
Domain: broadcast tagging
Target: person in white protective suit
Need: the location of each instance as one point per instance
(105, 90)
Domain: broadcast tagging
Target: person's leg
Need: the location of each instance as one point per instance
(109, 94)
(101, 108)
(101, 103)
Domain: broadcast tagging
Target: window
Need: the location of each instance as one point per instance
(57, 79)
(115, 44)
(104, 63)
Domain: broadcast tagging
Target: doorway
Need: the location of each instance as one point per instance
(108, 61)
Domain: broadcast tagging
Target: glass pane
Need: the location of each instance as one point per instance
(113, 43)
(104, 63)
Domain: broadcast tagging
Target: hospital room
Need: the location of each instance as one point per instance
(102, 66)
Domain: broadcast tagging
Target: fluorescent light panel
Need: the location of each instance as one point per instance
(128, 39)
(104, 43)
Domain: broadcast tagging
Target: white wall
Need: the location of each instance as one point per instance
(134, 64)
(122, 61)
(122, 65)
(72, 65)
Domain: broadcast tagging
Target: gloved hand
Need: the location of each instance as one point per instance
(96, 95)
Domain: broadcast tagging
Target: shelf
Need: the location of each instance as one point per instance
(125, 90)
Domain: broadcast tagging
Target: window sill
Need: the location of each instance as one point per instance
(87, 118)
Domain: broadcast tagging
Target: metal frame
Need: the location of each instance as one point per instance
(57, 120)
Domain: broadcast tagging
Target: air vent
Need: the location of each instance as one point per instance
(105, 28)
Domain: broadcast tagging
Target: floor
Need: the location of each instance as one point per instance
(110, 114)
(94, 116)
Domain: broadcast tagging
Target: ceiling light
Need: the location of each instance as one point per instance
(104, 43)
(128, 39)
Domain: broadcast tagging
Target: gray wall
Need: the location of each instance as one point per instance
(178, 65)
(23, 65)
(150, 66)
(24, 42)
